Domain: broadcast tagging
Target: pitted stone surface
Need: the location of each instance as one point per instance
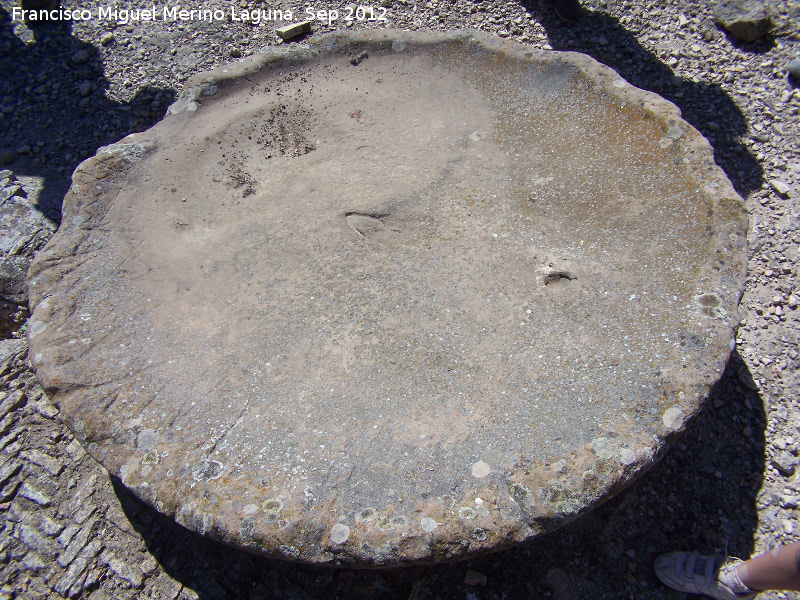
(431, 304)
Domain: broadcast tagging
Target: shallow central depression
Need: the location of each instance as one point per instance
(406, 290)
(372, 278)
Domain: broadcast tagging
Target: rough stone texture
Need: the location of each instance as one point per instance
(745, 20)
(370, 332)
(23, 231)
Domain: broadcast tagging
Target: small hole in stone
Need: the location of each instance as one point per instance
(366, 515)
(479, 534)
(558, 277)
(375, 215)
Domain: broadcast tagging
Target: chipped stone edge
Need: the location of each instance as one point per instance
(605, 470)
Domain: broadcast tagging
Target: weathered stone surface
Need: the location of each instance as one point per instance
(11, 350)
(50, 464)
(34, 540)
(10, 401)
(78, 566)
(34, 494)
(23, 231)
(438, 309)
(745, 20)
(122, 569)
(75, 544)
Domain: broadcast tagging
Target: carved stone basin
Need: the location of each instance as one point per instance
(390, 297)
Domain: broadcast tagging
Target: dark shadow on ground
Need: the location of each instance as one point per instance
(606, 554)
(704, 105)
(51, 120)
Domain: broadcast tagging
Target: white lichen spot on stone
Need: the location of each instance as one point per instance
(250, 509)
(480, 469)
(675, 132)
(620, 83)
(37, 358)
(467, 512)
(627, 456)
(36, 328)
(604, 448)
(673, 418)
(427, 524)
(447, 501)
(339, 533)
(207, 470)
(147, 440)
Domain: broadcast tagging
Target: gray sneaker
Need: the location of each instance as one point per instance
(695, 574)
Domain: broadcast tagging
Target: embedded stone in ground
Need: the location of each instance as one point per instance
(745, 20)
(430, 304)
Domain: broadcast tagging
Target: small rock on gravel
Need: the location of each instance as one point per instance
(745, 20)
(794, 67)
(779, 186)
(80, 57)
(785, 463)
(291, 31)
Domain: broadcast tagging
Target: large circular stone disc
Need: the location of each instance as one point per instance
(389, 297)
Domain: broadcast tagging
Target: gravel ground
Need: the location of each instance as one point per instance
(68, 530)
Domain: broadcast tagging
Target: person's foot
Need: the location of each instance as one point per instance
(692, 573)
(568, 10)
